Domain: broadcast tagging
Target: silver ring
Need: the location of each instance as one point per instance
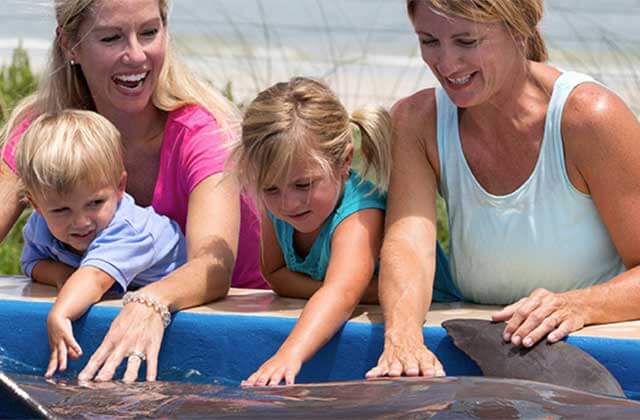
(140, 355)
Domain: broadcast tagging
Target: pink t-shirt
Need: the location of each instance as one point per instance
(192, 150)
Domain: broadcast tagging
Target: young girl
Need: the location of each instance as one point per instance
(322, 223)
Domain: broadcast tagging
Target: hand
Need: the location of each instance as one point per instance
(543, 313)
(406, 356)
(137, 327)
(274, 370)
(62, 343)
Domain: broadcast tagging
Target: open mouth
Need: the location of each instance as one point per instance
(82, 235)
(131, 81)
(461, 81)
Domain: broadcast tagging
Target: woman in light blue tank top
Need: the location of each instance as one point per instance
(539, 170)
(322, 226)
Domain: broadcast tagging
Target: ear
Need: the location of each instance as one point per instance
(65, 44)
(122, 185)
(33, 202)
(348, 159)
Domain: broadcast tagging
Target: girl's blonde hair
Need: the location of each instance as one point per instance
(521, 18)
(59, 152)
(64, 85)
(303, 119)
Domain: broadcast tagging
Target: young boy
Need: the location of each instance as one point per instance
(85, 227)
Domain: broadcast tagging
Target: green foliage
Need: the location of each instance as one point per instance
(16, 82)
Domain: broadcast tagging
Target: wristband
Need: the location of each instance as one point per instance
(160, 308)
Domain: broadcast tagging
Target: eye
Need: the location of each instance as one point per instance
(109, 39)
(270, 190)
(467, 42)
(59, 211)
(428, 41)
(150, 33)
(304, 185)
(96, 203)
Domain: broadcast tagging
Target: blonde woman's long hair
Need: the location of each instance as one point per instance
(64, 85)
(520, 16)
(303, 119)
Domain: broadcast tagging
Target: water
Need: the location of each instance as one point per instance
(364, 48)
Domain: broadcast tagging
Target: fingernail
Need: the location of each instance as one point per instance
(527, 342)
(506, 336)
(516, 340)
(552, 337)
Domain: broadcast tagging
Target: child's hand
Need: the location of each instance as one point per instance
(273, 371)
(62, 343)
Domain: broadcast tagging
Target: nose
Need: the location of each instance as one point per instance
(81, 221)
(447, 60)
(134, 53)
(291, 201)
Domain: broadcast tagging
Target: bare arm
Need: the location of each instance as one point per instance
(357, 238)
(12, 205)
(601, 146)
(409, 250)
(53, 273)
(213, 226)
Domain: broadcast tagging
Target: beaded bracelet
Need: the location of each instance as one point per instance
(160, 308)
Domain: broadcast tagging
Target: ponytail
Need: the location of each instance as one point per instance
(374, 124)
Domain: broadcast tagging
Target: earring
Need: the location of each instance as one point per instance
(72, 62)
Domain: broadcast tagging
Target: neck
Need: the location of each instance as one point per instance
(138, 128)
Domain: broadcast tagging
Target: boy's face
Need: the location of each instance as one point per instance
(77, 217)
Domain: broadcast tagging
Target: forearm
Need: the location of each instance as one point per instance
(292, 284)
(50, 272)
(84, 288)
(406, 281)
(327, 310)
(201, 280)
(614, 301)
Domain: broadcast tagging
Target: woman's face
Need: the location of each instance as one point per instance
(121, 49)
(473, 61)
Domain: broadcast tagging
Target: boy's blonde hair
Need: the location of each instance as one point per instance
(303, 119)
(521, 18)
(65, 87)
(60, 152)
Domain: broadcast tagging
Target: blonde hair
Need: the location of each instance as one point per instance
(62, 151)
(521, 18)
(65, 86)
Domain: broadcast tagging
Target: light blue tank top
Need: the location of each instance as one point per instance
(544, 234)
(358, 195)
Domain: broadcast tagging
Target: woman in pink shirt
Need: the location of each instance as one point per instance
(113, 57)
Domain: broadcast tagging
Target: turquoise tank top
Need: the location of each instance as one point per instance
(545, 234)
(358, 195)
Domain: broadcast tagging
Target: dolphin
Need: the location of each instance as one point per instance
(559, 363)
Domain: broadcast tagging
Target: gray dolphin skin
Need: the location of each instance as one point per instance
(445, 398)
(559, 363)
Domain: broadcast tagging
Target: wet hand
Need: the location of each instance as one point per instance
(137, 330)
(62, 343)
(543, 313)
(272, 372)
(406, 357)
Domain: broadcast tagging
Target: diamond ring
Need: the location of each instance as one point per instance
(140, 355)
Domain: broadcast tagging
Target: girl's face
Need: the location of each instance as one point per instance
(121, 49)
(472, 61)
(307, 197)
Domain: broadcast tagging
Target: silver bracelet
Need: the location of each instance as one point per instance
(160, 308)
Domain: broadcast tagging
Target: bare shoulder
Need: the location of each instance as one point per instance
(415, 108)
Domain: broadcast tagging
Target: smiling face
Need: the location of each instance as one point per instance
(472, 61)
(307, 196)
(75, 218)
(121, 50)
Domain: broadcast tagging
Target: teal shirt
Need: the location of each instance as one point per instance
(358, 195)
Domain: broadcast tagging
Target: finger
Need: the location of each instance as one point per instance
(427, 367)
(290, 378)
(75, 351)
(504, 313)
(439, 369)
(563, 330)
(520, 314)
(382, 369)
(53, 363)
(276, 378)
(133, 366)
(62, 356)
(109, 367)
(152, 364)
(251, 380)
(542, 320)
(396, 369)
(95, 361)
